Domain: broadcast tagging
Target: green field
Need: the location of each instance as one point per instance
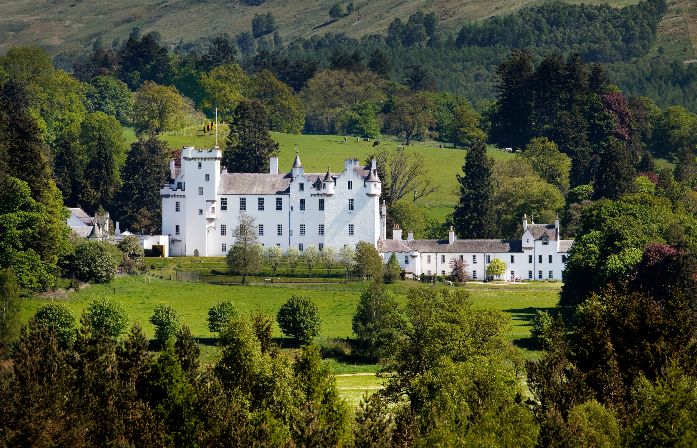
(319, 151)
(337, 303)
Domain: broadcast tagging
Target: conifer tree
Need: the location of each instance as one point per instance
(139, 204)
(472, 217)
(615, 173)
(511, 124)
(249, 145)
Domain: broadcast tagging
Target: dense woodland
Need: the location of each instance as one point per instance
(619, 365)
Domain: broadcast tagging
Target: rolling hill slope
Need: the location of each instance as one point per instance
(70, 25)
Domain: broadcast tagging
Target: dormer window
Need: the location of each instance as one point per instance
(545, 241)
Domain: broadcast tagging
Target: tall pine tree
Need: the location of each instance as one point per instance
(472, 217)
(249, 144)
(615, 172)
(139, 206)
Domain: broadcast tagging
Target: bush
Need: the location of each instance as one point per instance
(299, 319)
(133, 254)
(106, 317)
(95, 261)
(541, 330)
(58, 318)
(219, 315)
(166, 322)
(392, 269)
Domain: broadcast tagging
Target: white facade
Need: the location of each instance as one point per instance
(540, 254)
(202, 204)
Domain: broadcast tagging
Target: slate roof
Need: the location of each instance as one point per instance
(466, 246)
(393, 246)
(565, 245)
(253, 183)
(81, 215)
(539, 230)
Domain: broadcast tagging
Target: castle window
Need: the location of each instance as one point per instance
(260, 204)
(563, 258)
(200, 211)
(350, 229)
(442, 258)
(350, 185)
(279, 229)
(406, 259)
(474, 275)
(350, 204)
(529, 258)
(223, 230)
(539, 275)
(199, 165)
(223, 204)
(208, 177)
(321, 246)
(512, 275)
(243, 204)
(512, 258)
(551, 275)
(539, 259)
(302, 205)
(279, 203)
(488, 258)
(200, 191)
(261, 229)
(545, 241)
(302, 229)
(301, 247)
(321, 205)
(176, 229)
(428, 259)
(177, 207)
(301, 186)
(321, 229)
(530, 275)
(224, 247)
(474, 259)
(550, 259)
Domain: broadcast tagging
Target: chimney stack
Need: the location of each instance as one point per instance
(273, 165)
(451, 235)
(556, 222)
(397, 233)
(525, 223)
(410, 236)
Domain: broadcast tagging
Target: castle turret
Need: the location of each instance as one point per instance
(297, 169)
(373, 183)
(328, 183)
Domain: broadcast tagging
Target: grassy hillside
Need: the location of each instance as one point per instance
(69, 25)
(319, 151)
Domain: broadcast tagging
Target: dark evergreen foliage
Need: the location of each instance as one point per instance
(249, 145)
(472, 217)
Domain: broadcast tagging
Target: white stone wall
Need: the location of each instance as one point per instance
(202, 231)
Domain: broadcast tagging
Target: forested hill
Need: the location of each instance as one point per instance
(68, 25)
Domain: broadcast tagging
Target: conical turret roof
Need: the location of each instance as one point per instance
(297, 163)
(373, 176)
(328, 176)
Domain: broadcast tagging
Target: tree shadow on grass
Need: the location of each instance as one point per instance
(529, 313)
(527, 344)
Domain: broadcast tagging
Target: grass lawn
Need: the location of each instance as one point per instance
(319, 151)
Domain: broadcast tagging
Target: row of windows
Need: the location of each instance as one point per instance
(301, 186)
(261, 204)
(279, 229)
(488, 259)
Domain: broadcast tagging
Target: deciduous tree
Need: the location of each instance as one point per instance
(245, 256)
(299, 319)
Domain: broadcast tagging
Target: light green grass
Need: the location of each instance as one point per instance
(337, 303)
(353, 387)
(318, 152)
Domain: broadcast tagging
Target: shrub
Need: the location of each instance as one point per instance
(299, 319)
(106, 317)
(496, 268)
(166, 322)
(133, 254)
(58, 318)
(392, 269)
(95, 261)
(541, 330)
(219, 315)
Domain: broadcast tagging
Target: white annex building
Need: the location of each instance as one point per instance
(202, 204)
(540, 254)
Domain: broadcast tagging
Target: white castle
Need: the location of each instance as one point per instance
(202, 205)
